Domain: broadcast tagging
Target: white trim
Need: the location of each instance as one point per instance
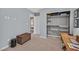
(43, 37)
(4, 47)
(53, 36)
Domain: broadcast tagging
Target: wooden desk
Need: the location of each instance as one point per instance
(66, 39)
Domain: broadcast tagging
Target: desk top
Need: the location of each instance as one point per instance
(66, 40)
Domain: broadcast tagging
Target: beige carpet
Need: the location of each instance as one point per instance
(39, 44)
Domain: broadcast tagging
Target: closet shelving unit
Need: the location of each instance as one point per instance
(32, 24)
(56, 23)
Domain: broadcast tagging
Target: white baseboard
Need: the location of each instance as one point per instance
(53, 36)
(43, 37)
(4, 47)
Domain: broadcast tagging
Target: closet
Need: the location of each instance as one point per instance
(58, 22)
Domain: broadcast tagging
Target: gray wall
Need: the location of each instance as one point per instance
(43, 19)
(13, 22)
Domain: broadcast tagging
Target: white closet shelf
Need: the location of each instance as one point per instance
(53, 30)
(32, 26)
(77, 18)
(63, 26)
(52, 25)
(58, 16)
(60, 26)
(63, 30)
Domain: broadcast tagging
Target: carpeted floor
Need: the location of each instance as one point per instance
(39, 44)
